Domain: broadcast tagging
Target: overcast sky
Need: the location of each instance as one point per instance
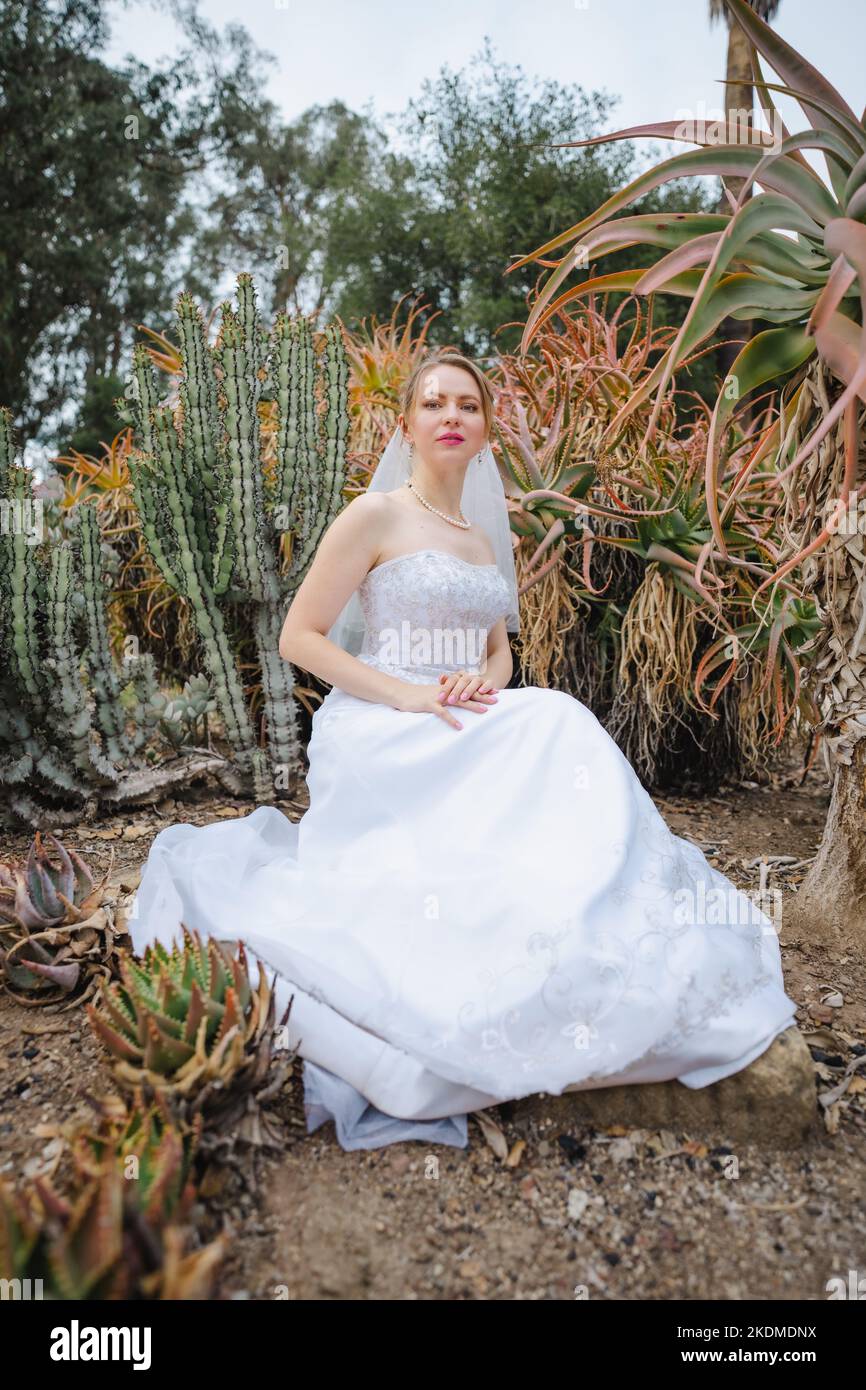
(659, 58)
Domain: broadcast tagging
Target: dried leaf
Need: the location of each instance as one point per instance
(493, 1135)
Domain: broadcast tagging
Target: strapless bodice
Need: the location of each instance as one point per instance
(428, 611)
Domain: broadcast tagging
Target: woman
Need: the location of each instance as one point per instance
(484, 903)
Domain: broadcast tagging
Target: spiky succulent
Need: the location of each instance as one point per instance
(153, 1146)
(54, 935)
(189, 1022)
(120, 1233)
(181, 717)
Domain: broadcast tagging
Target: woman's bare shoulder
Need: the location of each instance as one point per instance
(375, 504)
(370, 502)
(483, 544)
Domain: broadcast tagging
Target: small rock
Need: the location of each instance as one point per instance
(578, 1201)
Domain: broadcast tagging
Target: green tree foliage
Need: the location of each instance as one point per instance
(119, 187)
(95, 203)
(478, 184)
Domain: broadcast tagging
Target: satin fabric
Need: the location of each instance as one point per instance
(465, 917)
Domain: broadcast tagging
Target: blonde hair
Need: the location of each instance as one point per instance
(445, 358)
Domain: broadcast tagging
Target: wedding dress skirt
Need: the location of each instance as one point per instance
(469, 916)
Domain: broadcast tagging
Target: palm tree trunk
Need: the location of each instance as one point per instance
(739, 102)
(831, 903)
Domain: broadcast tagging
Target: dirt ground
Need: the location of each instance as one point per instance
(569, 1212)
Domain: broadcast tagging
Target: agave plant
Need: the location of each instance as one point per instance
(794, 256)
(123, 1231)
(55, 937)
(381, 357)
(187, 1022)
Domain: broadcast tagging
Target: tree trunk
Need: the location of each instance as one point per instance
(739, 104)
(831, 903)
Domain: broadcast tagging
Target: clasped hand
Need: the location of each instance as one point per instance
(455, 688)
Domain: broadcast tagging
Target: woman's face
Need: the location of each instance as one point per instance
(447, 417)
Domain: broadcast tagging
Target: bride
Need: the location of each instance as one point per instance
(482, 901)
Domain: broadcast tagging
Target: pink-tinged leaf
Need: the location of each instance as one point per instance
(722, 132)
(66, 976)
(791, 66)
(770, 112)
(116, 1043)
(839, 345)
(856, 206)
(856, 179)
(553, 535)
(695, 252)
(851, 133)
(843, 237)
(26, 913)
(775, 352)
(807, 195)
(839, 281)
(67, 880)
(783, 175)
(756, 215)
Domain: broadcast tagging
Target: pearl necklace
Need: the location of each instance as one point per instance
(464, 525)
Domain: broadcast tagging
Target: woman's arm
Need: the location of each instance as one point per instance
(496, 671)
(499, 666)
(346, 552)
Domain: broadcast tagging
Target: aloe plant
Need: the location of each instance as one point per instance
(188, 1023)
(149, 1142)
(54, 940)
(122, 1232)
(794, 257)
(790, 255)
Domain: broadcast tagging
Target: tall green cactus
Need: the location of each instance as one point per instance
(213, 516)
(69, 731)
(47, 742)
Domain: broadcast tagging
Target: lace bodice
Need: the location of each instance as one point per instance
(428, 611)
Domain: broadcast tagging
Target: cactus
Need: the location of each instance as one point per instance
(189, 1023)
(47, 741)
(73, 727)
(232, 521)
(215, 504)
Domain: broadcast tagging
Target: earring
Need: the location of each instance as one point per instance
(481, 456)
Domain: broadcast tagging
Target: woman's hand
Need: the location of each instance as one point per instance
(458, 688)
(433, 699)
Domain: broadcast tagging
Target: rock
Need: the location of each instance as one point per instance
(772, 1101)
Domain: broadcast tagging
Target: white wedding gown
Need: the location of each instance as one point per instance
(469, 916)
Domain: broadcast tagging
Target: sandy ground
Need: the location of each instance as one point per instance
(571, 1212)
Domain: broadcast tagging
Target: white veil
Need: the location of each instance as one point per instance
(482, 503)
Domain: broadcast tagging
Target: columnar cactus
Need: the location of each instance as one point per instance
(48, 744)
(68, 741)
(213, 512)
